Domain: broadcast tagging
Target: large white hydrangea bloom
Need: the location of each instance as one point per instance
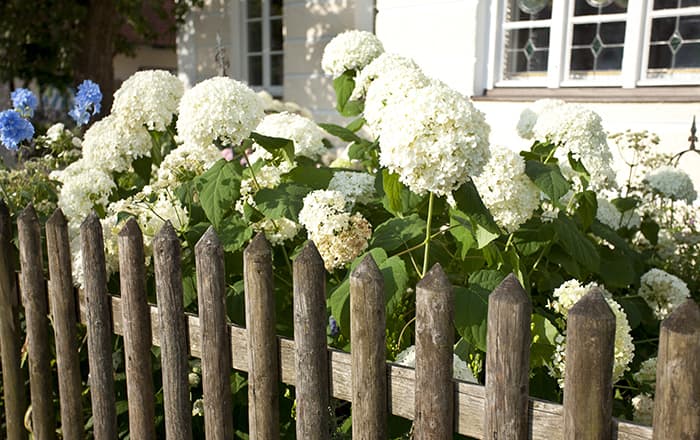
(434, 140)
(307, 136)
(149, 98)
(506, 190)
(643, 405)
(389, 66)
(356, 187)
(220, 109)
(112, 144)
(339, 235)
(672, 183)
(528, 117)
(184, 163)
(350, 50)
(579, 131)
(609, 215)
(565, 296)
(663, 292)
(84, 186)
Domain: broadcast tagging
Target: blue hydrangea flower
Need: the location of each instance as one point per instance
(24, 102)
(333, 324)
(87, 102)
(14, 129)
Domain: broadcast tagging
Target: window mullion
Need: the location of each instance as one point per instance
(634, 43)
(557, 43)
(267, 69)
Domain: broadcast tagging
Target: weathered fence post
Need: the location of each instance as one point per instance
(63, 310)
(434, 398)
(173, 334)
(507, 362)
(216, 340)
(590, 343)
(10, 334)
(99, 330)
(36, 309)
(311, 357)
(136, 319)
(368, 354)
(263, 354)
(677, 400)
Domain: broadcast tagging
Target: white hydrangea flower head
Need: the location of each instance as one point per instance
(647, 371)
(434, 140)
(307, 136)
(279, 230)
(220, 109)
(111, 144)
(579, 131)
(506, 190)
(643, 405)
(84, 187)
(184, 163)
(55, 132)
(566, 296)
(460, 369)
(663, 292)
(356, 187)
(389, 67)
(672, 183)
(609, 215)
(149, 98)
(339, 236)
(528, 117)
(350, 50)
(267, 176)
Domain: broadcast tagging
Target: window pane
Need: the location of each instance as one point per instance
(688, 3)
(254, 36)
(689, 27)
(276, 38)
(600, 7)
(688, 56)
(523, 10)
(596, 47)
(254, 8)
(276, 7)
(527, 51)
(255, 70)
(662, 28)
(660, 56)
(277, 70)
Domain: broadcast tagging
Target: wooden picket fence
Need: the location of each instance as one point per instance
(438, 404)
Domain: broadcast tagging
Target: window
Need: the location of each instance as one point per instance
(568, 43)
(263, 36)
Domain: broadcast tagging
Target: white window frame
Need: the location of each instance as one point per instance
(639, 17)
(266, 53)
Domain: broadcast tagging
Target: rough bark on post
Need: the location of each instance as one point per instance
(36, 310)
(311, 358)
(173, 334)
(263, 354)
(434, 401)
(590, 344)
(677, 399)
(367, 333)
(136, 319)
(216, 342)
(63, 311)
(99, 330)
(10, 334)
(507, 361)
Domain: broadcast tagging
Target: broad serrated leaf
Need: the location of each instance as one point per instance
(344, 85)
(624, 204)
(218, 188)
(285, 200)
(341, 132)
(548, 178)
(280, 148)
(311, 176)
(544, 335)
(234, 233)
(650, 229)
(587, 207)
(576, 243)
(580, 170)
(397, 198)
(397, 233)
(356, 125)
(471, 312)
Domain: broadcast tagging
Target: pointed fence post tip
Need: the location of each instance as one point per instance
(511, 291)
(435, 279)
(685, 319)
(28, 214)
(309, 254)
(57, 218)
(131, 228)
(593, 306)
(167, 230)
(367, 269)
(258, 245)
(209, 240)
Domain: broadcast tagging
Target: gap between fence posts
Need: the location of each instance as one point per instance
(434, 398)
(507, 362)
(263, 353)
(677, 399)
(370, 409)
(174, 338)
(63, 311)
(36, 311)
(99, 329)
(590, 345)
(216, 340)
(311, 354)
(136, 319)
(10, 334)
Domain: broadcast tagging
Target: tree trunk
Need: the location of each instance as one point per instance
(95, 58)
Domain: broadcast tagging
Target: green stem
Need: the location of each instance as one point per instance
(429, 220)
(420, 245)
(252, 173)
